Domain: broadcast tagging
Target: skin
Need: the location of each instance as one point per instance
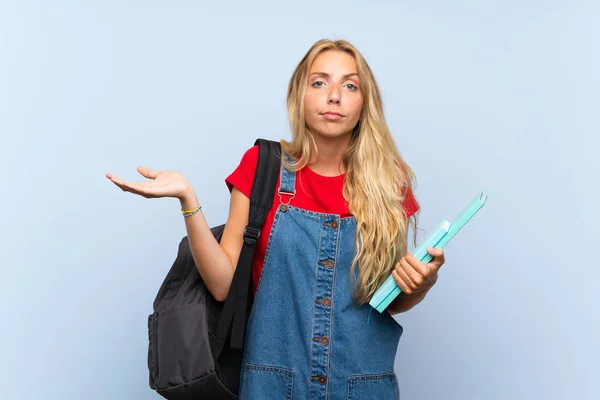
(333, 86)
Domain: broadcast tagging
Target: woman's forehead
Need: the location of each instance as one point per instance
(334, 62)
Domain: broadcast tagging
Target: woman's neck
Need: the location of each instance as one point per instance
(331, 151)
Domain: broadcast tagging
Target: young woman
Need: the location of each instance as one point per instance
(337, 229)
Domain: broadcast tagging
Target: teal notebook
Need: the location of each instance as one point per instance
(445, 231)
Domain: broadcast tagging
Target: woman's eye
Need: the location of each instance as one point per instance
(318, 84)
(351, 86)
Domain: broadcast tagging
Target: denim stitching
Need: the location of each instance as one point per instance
(353, 380)
(312, 335)
(268, 250)
(319, 215)
(286, 373)
(337, 253)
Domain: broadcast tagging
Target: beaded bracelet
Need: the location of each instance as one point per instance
(191, 212)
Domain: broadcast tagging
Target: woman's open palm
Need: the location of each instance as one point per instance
(161, 184)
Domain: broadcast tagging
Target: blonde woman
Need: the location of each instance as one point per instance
(337, 229)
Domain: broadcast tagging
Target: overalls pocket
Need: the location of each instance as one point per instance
(266, 382)
(376, 387)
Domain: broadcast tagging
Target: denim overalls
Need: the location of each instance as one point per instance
(306, 338)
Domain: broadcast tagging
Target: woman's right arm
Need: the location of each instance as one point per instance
(216, 262)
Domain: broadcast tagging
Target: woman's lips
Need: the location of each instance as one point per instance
(332, 116)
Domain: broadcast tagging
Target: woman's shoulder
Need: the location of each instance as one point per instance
(249, 160)
(251, 155)
(243, 175)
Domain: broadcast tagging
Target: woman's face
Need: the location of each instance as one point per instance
(333, 100)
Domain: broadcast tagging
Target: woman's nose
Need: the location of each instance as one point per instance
(333, 95)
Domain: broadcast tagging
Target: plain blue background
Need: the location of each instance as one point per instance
(495, 95)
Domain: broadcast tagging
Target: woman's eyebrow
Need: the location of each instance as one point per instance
(326, 75)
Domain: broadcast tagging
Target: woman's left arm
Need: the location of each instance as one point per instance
(415, 279)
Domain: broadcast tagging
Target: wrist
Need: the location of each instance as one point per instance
(188, 199)
(404, 302)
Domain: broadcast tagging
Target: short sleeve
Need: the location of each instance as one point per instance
(243, 176)
(410, 204)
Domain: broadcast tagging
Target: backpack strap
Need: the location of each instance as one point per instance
(238, 303)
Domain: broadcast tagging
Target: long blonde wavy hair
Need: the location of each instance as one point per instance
(377, 178)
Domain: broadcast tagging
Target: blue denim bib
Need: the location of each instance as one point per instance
(306, 337)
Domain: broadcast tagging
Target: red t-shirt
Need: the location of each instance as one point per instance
(314, 192)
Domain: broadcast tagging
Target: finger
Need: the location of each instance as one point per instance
(140, 188)
(402, 284)
(403, 270)
(415, 276)
(143, 185)
(147, 172)
(134, 188)
(118, 182)
(113, 178)
(439, 258)
(123, 188)
(420, 267)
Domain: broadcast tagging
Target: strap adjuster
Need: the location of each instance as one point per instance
(251, 234)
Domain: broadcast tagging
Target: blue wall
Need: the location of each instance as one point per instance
(493, 95)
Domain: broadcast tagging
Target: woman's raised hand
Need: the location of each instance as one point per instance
(160, 184)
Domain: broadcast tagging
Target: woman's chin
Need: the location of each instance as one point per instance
(332, 134)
